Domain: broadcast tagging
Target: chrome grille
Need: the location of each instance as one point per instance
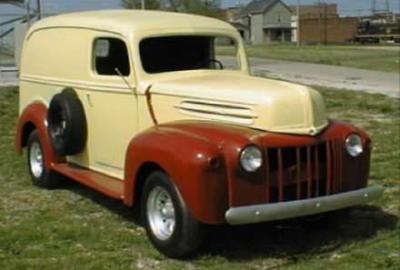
(294, 173)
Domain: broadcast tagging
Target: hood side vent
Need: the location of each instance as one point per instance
(218, 111)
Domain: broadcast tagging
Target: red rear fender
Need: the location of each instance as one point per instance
(34, 117)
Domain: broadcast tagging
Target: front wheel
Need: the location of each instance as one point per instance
(40, 174)
(169, 225)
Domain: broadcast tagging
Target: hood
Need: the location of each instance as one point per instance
(258, 103)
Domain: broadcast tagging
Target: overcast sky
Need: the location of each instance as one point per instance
(346, 7)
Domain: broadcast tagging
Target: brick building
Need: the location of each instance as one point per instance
(321, 24)
(330, 30)
(316, 11)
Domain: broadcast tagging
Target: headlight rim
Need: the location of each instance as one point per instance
(347, 145)
(241, 158)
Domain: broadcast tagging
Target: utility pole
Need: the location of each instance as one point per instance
(39, 9)
(143, 4)
(298, 23)
(325, 24)
(380, 7)
(28, 13)
(319, 21)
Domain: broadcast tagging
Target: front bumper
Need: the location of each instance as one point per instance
(299, 208)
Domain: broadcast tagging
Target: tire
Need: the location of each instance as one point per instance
(41, 176)
(67, 124)
(176, 241)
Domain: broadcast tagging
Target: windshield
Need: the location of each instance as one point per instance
(179, 53)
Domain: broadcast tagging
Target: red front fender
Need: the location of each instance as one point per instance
(194, 164)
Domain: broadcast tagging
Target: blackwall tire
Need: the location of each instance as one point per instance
(67, 125)
(41, 176)
(186, 234)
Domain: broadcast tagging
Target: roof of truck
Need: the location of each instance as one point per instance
(128, 21)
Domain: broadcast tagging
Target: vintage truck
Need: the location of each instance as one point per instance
(138, 105)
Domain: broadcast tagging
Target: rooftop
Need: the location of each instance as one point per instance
(128, 21)
(259, 6)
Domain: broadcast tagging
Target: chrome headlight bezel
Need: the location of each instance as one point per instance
(251, 158)
(354, 145)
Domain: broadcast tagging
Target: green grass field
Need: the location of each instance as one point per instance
(6, 59)
(76, 228)
(376, 58)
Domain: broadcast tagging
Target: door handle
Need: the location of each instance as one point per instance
(88, 99)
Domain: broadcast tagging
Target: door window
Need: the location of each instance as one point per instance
(111, 57)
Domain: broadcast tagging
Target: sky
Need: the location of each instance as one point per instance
(346, 7)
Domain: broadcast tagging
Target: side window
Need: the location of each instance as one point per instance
(111, 57)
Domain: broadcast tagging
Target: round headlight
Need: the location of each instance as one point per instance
(251, 158)
(354, 145)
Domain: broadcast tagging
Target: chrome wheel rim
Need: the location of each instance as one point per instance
(161, 213)
(36, 160)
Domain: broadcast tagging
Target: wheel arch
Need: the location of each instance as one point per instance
(33, 118)
(144, 171)
(188, 161)
(27, 129)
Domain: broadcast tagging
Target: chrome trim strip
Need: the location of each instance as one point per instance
(118, 88)
(285, 210)
(215, 112)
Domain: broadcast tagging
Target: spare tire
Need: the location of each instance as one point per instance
(67, 126)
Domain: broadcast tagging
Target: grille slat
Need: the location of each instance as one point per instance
(268, 176)
(339, 165)
(298, 174)
(336, 167)
(328, 168)
(316, 165)
(295, 173)
(309, 174)
(281, 174)
(340, 162)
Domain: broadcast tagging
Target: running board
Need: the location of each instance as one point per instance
(109, 186)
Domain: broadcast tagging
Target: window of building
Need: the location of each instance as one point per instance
(111, 57)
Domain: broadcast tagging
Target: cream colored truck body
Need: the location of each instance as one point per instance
(58, 54)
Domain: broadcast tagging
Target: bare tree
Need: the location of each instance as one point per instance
(137, 4)
(201, 7)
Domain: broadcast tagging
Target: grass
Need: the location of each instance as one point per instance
(379, 59)
(76, 228)
(6, 59)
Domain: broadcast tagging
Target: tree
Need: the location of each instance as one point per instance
(137, 4)
(201, 7)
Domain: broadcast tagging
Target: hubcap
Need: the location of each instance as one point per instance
(161, 213)
(36, 160)
(58, 126)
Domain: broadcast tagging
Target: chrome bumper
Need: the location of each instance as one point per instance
(285, 210)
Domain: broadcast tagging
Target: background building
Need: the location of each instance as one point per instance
(322, 24)
(328, 30)
(267, 21)
(316, 11)
(272, 21)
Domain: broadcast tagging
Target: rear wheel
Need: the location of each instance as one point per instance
(169, 225)
(40, 174)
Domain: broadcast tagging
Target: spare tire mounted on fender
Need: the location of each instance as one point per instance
(67, 123)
